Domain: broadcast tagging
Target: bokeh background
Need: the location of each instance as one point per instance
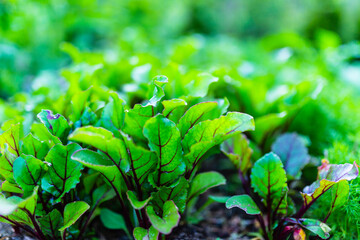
(31, 32)
(293, 65)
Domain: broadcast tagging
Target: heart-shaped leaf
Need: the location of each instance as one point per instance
(268, 178)
(169, 220)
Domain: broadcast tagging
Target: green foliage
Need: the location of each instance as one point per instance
(268, 179)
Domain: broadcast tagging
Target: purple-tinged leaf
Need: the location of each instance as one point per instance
(56, 124)
(329, 174)
(292, 152)
(315, 226)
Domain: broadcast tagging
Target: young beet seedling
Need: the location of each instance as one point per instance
(275, 212)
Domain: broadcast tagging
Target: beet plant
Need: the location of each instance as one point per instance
(270, 179)
(150, 155)
(145, 159)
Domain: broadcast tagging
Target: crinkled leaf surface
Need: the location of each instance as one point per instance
(164, 139)
(101, 164)
(177, 193)
(293, 153)
(50, 223)
(64, 173)
(210, 133)
(238, 151)
(28, 172)
(243, 202)
(141, 160)
(34, 147)
(56, 124)
(197, 113)
(268, 178)
(169, 220)
(72, 212)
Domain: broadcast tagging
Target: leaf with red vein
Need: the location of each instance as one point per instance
(164, 139)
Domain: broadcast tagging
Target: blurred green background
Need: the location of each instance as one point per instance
(31, 32)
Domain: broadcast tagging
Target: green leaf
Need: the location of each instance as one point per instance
(135, 203)
(6, 186)
(172, 106)
(34, 147)
(141, 160)
(56, 124)
(101, 164)
(11, 138)
(177, 193)
(195, 114)
(268, 178)
(329, 174)
(105, 141)
(6, 164)
(50, 224)
(25, 208)
(64, 173)
(72, 212)
(112, 220)
(339, 194)
(169, 220)
(164, 139)
(143, 234)
(203, 182)
(210, 133)
(42, 133)
(28, 172)
(315, 226)
(113, 115)
(293, 153)
(238, 151)
(159, 82)
(243, 202)
(136, 118)
(78, 104)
